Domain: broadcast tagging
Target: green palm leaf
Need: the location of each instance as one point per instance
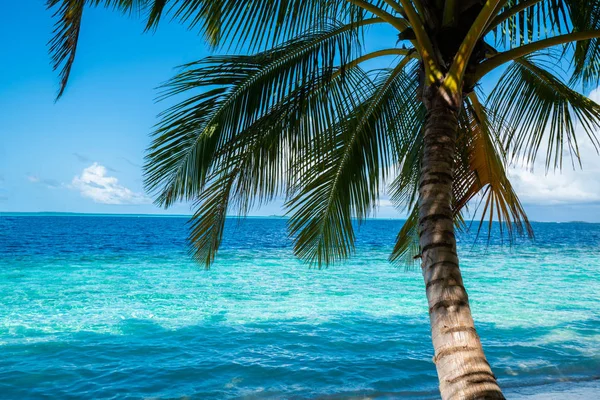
(68, 15)
(262, 161)
(481, 170)
(345, 182)
(585, 16)
(66, 35)
(537, 19)
(537, 106)
(407, 249)
(244, 88)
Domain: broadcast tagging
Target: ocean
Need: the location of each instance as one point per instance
(114, 307)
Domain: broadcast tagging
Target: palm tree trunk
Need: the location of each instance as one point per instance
(462, 368)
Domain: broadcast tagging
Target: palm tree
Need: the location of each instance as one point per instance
(298, 116)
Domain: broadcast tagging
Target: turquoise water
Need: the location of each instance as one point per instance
(113, 307)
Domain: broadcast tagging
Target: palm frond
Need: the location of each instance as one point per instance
(539, 19)
(408, 149)
(345, 182)
(263, 160)
(254, 24)
(66, 35)
(404, 188)
(407, 248)
(535, 20)
(68, 15)
(585, 16)
(208, 222)
(480, 169)
(241, 89)
(536, 105)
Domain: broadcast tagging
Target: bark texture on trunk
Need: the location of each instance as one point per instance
(462, 368)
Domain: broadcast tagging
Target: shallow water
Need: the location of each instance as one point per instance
(113, 307)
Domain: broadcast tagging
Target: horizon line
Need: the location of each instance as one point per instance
(149, 215)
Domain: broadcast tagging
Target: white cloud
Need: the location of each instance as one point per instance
(566, 187)
(569, 186)
(94, 184)
(33, 179)
(385, 203)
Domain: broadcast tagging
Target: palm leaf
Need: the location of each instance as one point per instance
(241, 89)
(407, 248)
(585, 16)
(537, 105)
(479, 170)
(262, 161)
(66, 35)
(482, 172)
(539, 19)
(244, 24)
(68, 15)
(345, 182)
(254, 24)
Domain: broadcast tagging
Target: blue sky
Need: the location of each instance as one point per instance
(84, 153)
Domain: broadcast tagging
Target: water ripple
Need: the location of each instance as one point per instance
(114, 308)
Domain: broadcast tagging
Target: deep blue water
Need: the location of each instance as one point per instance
(113, 307)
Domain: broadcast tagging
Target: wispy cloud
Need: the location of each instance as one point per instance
(82, 158)
(95, 184)
(49, 183)
(133, 164)
(86, 160)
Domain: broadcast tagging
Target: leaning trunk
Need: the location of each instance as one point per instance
(462, 368)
